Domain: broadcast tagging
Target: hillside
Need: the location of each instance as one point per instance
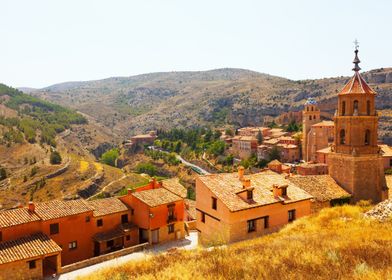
(30, 129)
(337, 243)
(219, 97)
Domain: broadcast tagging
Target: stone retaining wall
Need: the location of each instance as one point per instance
(102, 258)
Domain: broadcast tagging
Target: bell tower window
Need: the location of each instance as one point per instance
(342, 136)
(368, 108)
(343, 108)
(367, 137)
(355, 108)
(310, 118)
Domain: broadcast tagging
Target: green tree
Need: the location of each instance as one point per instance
(146, 167)
(55, 158)
(110, 157)
(259, 137)
(274, 154)
(217, 148)
(229, 132)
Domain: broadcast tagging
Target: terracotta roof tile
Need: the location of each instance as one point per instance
(107, 206)
(175, 187)
(156, 197)
(321, 187)
(386, 150)
(57, 208)
(225, 186)
(324, 123)
(18, 216)
(357, 85)
(27, 247)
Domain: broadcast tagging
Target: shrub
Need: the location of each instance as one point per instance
(146, 167)
(55, 158)
(110, 157)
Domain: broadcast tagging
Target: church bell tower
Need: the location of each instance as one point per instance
(355, 162)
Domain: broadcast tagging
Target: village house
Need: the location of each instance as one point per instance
(141, 139)
(244, 146)
(254, 131)
(233, 206)
(43, 237)
(311, 168)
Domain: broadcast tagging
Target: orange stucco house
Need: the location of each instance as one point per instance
(41, 238)
(233, 206)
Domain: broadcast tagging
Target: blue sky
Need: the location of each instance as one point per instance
(47, 42)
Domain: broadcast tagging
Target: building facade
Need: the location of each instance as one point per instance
(355, 161)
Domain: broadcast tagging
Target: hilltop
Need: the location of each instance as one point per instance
(233, 97)
(337, 243)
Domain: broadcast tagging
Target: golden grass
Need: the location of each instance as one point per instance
(335, 244)
(83, 166)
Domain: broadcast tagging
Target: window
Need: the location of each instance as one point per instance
(356, 103)
(87, 219)
(54, 228)
(266, 221)
(203, 217)
(99, 223)
(132, 212)
(170, 212)
(128, 237)
(32, 264)
(311, 108)
(170, 228)
(314, 117)
(249, 194)
(73, 245)
(310, 118)
(214, 203)
(110, 243)
(124, 218)
(342, 136)
(291, 215)
(251, 225)
(368, 108)
(343, 108)
(367, 137)
(284, 191)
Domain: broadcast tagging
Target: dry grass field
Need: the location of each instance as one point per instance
(337, 243)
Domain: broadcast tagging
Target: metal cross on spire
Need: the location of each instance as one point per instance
(356, 44)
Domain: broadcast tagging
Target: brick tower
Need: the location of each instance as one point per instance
(310, 116)
(355, 162)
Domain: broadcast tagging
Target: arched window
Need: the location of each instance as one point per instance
(342, 136)
(311, 108)
(310, 118)
(355, 108)
(307, 109)
(314, 117)
(367, 137)
(343, 108)
(368, 107)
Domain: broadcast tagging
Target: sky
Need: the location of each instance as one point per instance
(48, 42)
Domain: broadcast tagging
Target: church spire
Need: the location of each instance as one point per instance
(356, 59)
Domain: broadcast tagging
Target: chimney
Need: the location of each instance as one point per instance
(246, 183)
(130, 191)
(31, 207)
(276, 190)
(241, 171)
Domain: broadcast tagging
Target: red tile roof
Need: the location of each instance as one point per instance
(225, 186)
(175, 187)
(357, 85)
(28, 247)
(156, 197)
(57, 208)
(107, 206)
(18, 216)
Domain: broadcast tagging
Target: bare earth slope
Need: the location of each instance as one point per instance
(224, 96)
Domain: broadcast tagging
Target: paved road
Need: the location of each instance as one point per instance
(189, 243)
(196, 168)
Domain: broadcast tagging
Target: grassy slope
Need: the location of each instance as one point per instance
(335, 244)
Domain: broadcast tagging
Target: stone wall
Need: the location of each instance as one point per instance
(21, 270)
(103, 258)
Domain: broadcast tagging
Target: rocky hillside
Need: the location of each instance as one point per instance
(233, 97)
